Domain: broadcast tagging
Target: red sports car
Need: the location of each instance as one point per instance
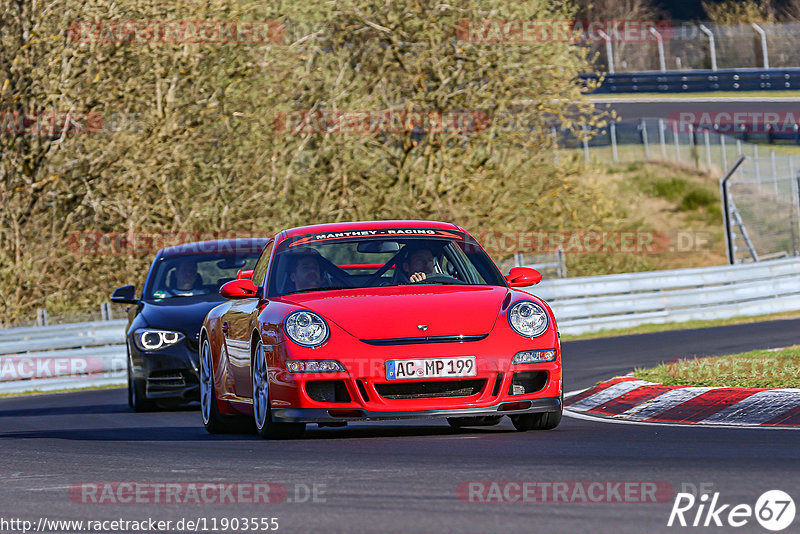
(379, 320)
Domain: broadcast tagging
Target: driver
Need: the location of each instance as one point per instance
(186, 276)
(307, 273)
(419, 264)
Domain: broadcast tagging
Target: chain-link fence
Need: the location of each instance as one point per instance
(763, 193)
(688, 46)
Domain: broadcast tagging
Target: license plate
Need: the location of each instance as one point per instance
(431, 368)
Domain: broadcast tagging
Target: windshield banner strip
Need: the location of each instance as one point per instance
(399, 232)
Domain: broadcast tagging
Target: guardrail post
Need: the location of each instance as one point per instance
(726, 213)
(105, 311)
(41, 317)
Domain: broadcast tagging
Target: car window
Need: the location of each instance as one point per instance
(334, 262)
(261, 266)
(188, 275)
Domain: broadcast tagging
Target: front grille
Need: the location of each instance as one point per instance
(166, 380)
(425, 390)
(527, 382)
(423, 340)
(328, 391)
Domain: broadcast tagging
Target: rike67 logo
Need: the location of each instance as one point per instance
(774, 510)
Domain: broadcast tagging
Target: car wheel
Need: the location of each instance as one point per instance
(136, 393)
(482, 420)
(265, 427)
(214, 421)
(538, 421)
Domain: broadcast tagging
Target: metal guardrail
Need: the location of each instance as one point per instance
(698, 80)
(70, 356)
(93, 354)
(590, 304)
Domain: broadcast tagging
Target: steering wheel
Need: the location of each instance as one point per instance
(439, 276)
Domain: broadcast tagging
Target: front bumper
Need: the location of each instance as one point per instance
(328, 415)
(168, 374)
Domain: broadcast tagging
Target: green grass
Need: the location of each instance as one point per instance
(689, 96)
(757, 369)
(666, 327)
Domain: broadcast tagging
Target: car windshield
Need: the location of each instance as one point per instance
(379, 258)
(188, 275)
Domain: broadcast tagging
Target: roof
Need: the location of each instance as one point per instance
(365, 225)
(244, 245)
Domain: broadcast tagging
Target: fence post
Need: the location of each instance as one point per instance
(562, 265)
(774, 173)
(585, 143)
(612, 132)
(644, 141)
(105, 311)
(758, 169)
(693, 146)
(739, 153)
(726, 212)
(675, 129)
(555, 145)
(517, 259)
(708, 149)
(661, 139)
(724, 153)
(41, 317)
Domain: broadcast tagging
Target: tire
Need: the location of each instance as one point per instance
(538, 421)
(262, 414)
(480, 420)
(214, 421)
(137, 399)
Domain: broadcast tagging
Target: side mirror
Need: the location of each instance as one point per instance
(124, 295)
(523, 276)
(244, 275)
(238, 289)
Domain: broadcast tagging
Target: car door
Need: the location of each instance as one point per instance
(237, 326)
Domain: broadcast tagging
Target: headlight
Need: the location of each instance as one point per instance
(314, 366)
(527, 318)
(150, 339)
(534, 356)
(306, 328)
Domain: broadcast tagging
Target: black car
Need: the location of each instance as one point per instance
(182, 286)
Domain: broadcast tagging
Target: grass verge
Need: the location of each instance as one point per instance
(775, 368)
(688, 325)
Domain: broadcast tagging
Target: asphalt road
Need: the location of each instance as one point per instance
(401, 477)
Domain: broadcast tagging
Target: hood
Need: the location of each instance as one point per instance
(185, 314)
(397, 312)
